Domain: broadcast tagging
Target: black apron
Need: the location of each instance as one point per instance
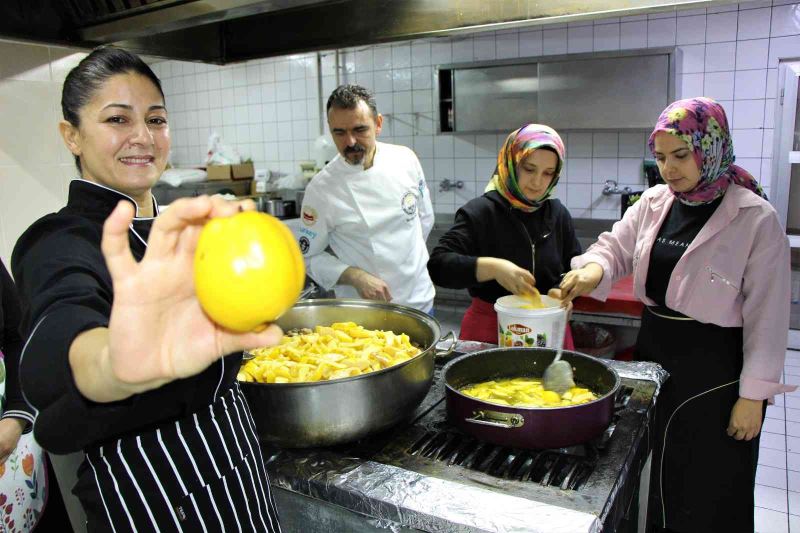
(702, 479)
(202, 473)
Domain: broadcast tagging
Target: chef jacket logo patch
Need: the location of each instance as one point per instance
(518, 329)
(304, 244)
(311, 234)
(309, 216)
(409, 204)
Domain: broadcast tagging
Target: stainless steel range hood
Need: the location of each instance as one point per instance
(164, 16)
(223, 31)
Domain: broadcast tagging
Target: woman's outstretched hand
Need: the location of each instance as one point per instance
(581, 281)
(511, 277)
(157, 331)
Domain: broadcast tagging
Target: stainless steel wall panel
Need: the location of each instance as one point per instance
(495, 98)
(605, 93)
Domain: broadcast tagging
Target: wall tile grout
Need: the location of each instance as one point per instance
(395, 79)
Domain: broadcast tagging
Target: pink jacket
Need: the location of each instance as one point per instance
(735, 273)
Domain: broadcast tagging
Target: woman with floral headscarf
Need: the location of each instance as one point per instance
(711, 263)
(512, 238)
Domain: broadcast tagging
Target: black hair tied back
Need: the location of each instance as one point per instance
(92, 72)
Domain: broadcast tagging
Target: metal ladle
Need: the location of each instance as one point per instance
(558, 376)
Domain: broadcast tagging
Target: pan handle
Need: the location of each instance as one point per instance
(444, 353)
(496, 419)
(308, 291)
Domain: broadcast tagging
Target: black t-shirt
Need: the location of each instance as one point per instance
(682, 225)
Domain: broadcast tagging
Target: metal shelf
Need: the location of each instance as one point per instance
(611, 319)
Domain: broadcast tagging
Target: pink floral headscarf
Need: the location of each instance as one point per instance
(701, 123)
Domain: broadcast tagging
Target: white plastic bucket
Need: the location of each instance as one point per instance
(530, 328)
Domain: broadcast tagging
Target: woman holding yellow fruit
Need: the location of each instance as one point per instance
(512, 239)
(121, 360)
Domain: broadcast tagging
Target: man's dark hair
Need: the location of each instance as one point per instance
(348, 96)
(91, 73)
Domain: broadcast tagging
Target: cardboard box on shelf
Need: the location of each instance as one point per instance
(241, 171)
(218, 172)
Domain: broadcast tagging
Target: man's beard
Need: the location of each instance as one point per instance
(355, 154)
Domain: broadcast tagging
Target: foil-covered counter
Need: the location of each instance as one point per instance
(390, 495)
(640, 370)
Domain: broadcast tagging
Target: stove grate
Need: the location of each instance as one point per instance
(566, 468)
(556, 468)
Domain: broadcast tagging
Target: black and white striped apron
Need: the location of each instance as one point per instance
(702, 479)
(201, 473)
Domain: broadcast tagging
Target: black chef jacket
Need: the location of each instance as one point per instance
(66, 289)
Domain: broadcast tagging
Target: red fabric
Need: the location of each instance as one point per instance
(620, 300)
(626, 354)
(480, 324)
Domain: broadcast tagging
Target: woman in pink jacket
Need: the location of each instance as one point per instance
(711, 263)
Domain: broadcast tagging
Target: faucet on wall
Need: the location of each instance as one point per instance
(447, 185)
(611, 187)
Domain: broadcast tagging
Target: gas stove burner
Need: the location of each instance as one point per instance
(546, 467)
(565, 468)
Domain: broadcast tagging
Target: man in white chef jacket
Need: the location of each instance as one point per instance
(371, 206)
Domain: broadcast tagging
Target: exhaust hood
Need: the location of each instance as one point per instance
(224, 31)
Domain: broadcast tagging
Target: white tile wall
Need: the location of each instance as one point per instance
(719, 85)
(720, 56)
(269, 109)
(35, 167)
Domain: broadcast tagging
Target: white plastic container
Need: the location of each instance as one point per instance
(529, 328)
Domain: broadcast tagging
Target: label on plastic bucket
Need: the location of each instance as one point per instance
(519, 329)
(520, 326)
